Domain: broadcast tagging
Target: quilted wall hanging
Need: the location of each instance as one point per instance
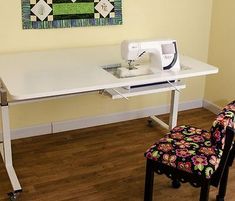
(45, 14)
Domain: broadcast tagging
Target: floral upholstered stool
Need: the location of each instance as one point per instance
(195, 155)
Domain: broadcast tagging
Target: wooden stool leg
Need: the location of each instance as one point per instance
(224, 179)
(204, 195)
(231, 157)
(175, 183)
(149, 178)
(223, 184)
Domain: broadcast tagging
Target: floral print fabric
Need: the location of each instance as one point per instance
(192, 149)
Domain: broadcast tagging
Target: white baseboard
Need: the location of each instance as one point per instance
(62, 126)
(118, 117)
(31, 131)
(211, 106)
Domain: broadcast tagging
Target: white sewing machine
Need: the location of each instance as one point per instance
(163, 55)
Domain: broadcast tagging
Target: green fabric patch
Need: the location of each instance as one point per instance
(75, 8)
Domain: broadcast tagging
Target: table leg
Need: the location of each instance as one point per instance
(173, 112)
(6, 151)
(174, 109)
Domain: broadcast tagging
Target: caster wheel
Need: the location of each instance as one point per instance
(175, 184)
(13, 195)
(150, 122)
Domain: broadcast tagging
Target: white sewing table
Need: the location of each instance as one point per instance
(35, 75)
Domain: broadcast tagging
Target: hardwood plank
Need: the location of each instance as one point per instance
(98, 164)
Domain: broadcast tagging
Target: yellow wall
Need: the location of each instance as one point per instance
(220, 88)
(187, 21)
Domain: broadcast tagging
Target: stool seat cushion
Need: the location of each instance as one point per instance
(189, 149)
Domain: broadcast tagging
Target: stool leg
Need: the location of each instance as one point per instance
(223, 185)
(175, 183)
(204, 195)
(224, 179)
(231, 157)
(149, 178)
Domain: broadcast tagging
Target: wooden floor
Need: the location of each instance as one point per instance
(103, 163)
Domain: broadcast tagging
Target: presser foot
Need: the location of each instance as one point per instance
(13, 196)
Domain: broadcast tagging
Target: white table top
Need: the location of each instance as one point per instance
(30, 75)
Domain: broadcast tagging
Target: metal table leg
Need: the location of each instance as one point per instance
(6, 151)
(173, 112)
(175, 94)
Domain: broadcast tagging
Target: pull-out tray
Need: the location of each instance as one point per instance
(124, 92)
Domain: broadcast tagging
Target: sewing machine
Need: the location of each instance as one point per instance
(163, 55)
